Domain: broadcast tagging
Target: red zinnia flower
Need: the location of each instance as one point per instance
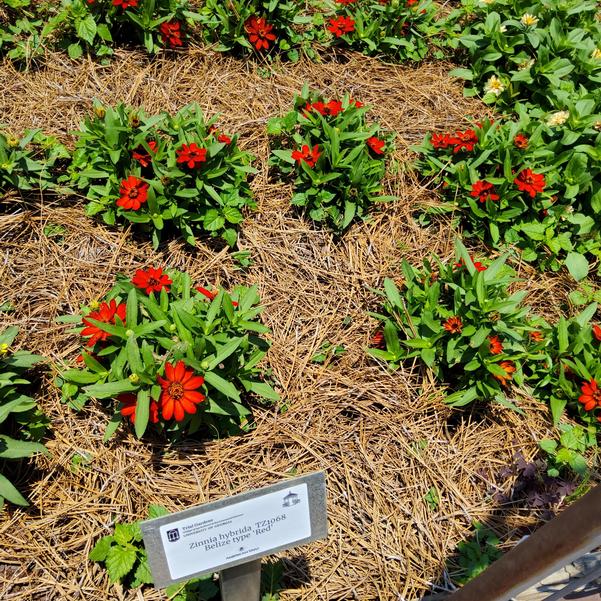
(134, 193)
(530, 182)
(171, 33)
(509, 368)
(259, 32)
(211, 295)
(152, 280)
(106, 314)
(224, 139)
(341, 25)
(483, 191)
(142, 156)
(125, 3)
(179, 395)
(464, 140)
(306, 154)
(454, 325)
(191, 155)
(441, 140)
(597, 332)
(521, 141)
(129, 402)
(357, 103)
(334, 107)
(536, 336)
(591, 396)
(496, 347)
(345, 2)
(376, 144)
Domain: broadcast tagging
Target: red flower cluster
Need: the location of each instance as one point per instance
(180, 391)
(528, 181)
(124, 4)
(483, 191)
(306, 154)
(141, 155)
(106, 314)
(597, 332)
(129, 402)
(152, 280)
(134, 193)
(462, 140)
(191, 155)
(260, 32)
(341, 25)
(477, 265)
(591, 396)
(376, 144)
(171, 33)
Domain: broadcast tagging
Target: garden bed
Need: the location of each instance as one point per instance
(384, 440)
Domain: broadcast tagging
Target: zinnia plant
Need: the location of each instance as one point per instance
(97, 26)
(336, 159)
(261, 27)
(398, 29)
(22, 424)
(165, 174)
(167, 354)
(570, 377)
(518, 183)
(29, 162)
(463, 324)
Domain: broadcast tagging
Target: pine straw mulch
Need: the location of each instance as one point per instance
(383, 439)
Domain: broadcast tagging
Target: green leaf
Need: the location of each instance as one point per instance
(110, 390)
(16, 449)
(156, 511)
(10, 493)
(392, 292)
(131, 312)
(101, 548)
(120, 561)
(86, 29)
(142, 412)
(225, 351)
(577, 265)
(225, 387)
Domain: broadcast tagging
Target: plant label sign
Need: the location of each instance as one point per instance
(236, 530)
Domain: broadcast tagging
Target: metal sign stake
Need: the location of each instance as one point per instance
(242, 582)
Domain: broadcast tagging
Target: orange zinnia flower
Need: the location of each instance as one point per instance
(509, 368)
(597, 332)
(105, 313)
(591, 396)
(454, 325)
(180, 395)
(536, 336)
(496, 348)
